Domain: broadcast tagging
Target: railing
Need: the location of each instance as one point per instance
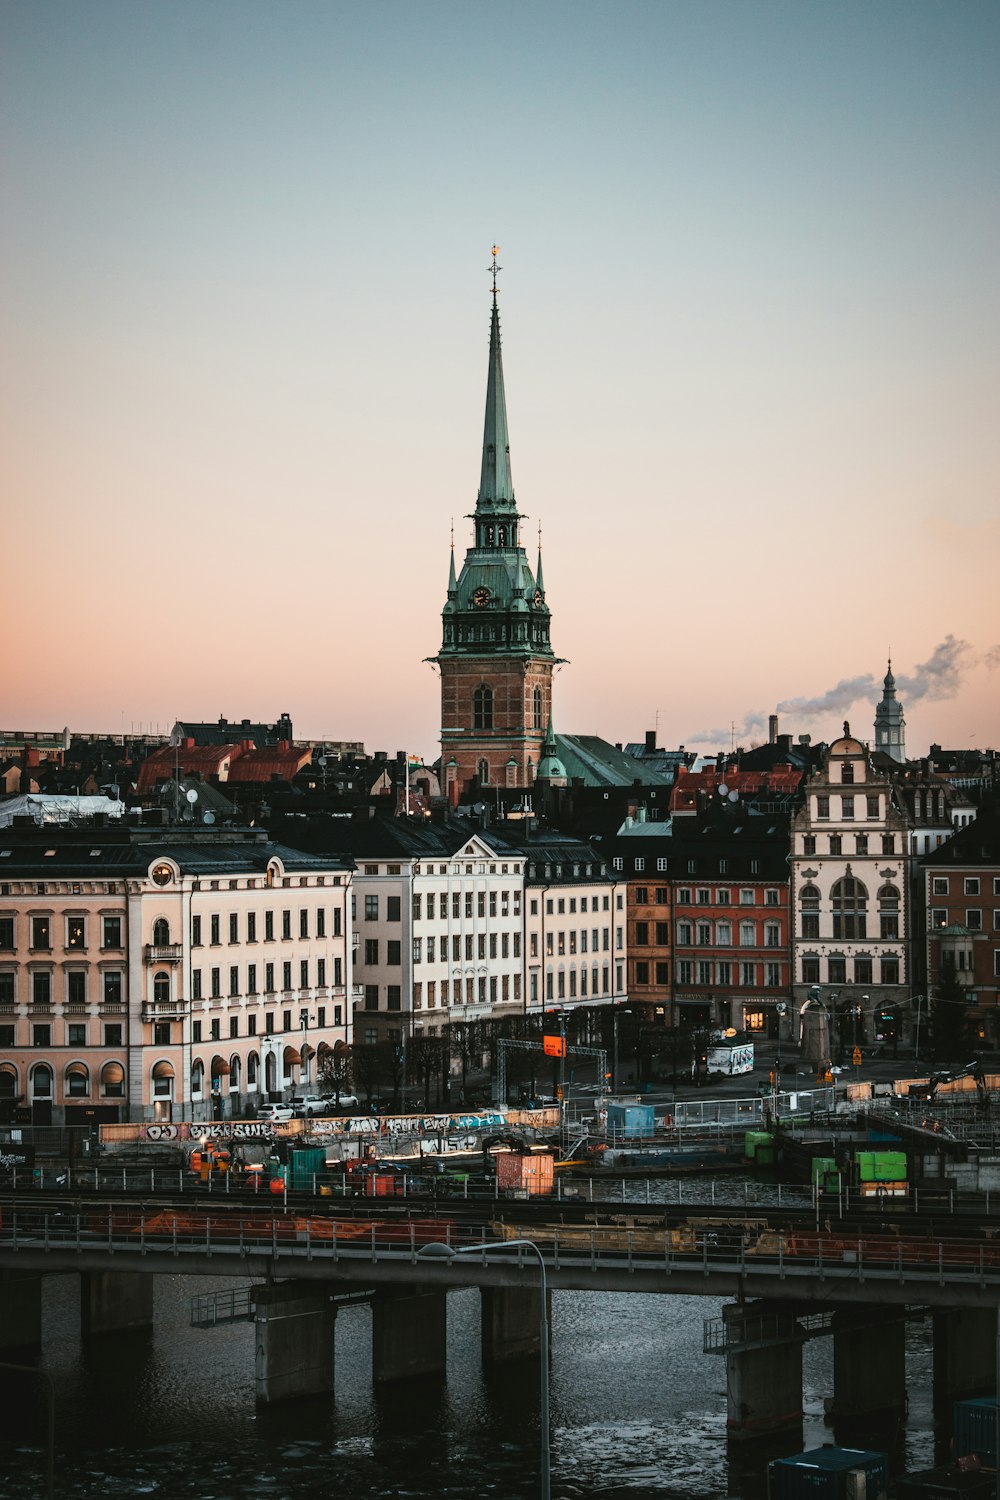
(861, 1266)
(164, 953)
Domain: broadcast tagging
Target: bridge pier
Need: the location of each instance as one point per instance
(869, 1364)
(965, 1355)
(409, 1333)
(294, 1324)
(510, 1319)
(20, 1310)
(764, 1371)
(113, 1301)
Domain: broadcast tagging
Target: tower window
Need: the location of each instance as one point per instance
(538, 708)
(482, 708)
(483, 771)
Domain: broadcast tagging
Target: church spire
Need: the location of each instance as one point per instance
(496, 488)
(539, 582)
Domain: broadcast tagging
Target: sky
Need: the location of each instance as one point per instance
(749, 309)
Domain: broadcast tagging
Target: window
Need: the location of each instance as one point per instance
(482, 708)
(40, 933)
(888, 910)
(41, 988)
(76, 987)
(642, 934)
(252, 926)
(661, 935)
(113, 1034)
(973, 918)
(748, 974)
(269, 984)
(772, 976)
(847, 772)
(704, 971)
(161, 988)
(850, 905)
(394, 953)
(888, 843)
(216, 983)
(746, 898)
(195, 984)
(772, 935)
(703, 931)
(771, 898)
(234, 1026)
(393, 997)
(392, 909)
(269, 927)
(7, 933)
(214, 926)
(861, 843)
(723, 898)
(286, 926)
(251, 979)
(889, 970)
(371, 908)
(724, 934)
(234, 927)
(822, 807)
(76, 1036)
(836, 844)
(662, 973)
(371, 950)
(286, 977)
(939, 885)
(872, 807)
(748, 934)
(704, 896)
(862, 970)
(76, 932)
(971, 885)
(837, 970)
(303, 922)
(810, 970)
(809, 843)
(303, 973)
(41, 1036)
(685, 968)
(113, 989)
(684, 931)
(234, 979)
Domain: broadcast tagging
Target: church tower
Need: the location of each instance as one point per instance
(496, 660)
(890, 726)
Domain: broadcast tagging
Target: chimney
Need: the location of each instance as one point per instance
(650, 741)
(772, 729)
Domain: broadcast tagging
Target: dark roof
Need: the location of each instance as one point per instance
(94, 851)
(977, 844)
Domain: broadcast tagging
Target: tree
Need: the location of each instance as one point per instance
(949, 1015)
(367, 1070)
(425, 1060)
(335, 1074)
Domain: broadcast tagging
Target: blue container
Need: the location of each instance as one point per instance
(630, 1120)
(975, 1426)
(829, 1473)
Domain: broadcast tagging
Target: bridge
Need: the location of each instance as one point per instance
(785, 1282)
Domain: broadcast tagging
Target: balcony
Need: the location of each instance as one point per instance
(164, 953)
(113, 1007)
(162, 1010)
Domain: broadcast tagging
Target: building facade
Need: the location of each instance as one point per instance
(176, 975)
(961, 883)
(850, 896)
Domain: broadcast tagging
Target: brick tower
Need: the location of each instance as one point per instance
(495, 660)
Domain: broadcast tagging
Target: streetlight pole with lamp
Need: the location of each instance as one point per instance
(439, 1251)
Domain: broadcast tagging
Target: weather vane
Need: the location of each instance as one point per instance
(494, 268)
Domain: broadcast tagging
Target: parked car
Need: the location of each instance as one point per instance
(312, 1104)
(275, 1112)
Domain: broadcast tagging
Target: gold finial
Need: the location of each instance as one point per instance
(494, 268)
(453, 533)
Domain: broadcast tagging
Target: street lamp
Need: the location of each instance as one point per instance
(436, 1250)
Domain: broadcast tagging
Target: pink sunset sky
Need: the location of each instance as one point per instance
(750, 319)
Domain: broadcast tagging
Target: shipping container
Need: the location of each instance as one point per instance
(881, 1166)
(308, 1164)
(948, 1483)
(824, 1174)
(730, 1057)
(829, 1473)
(529, 1172)
(758, 1147)
(631, 1120)
(975, 1429)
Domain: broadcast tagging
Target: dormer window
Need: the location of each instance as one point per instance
(847, 773)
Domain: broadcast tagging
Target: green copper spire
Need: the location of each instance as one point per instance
(496, 488)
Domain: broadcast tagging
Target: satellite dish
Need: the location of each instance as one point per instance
(208, 817)
(191, 795)
(734, 796)
(723, 789)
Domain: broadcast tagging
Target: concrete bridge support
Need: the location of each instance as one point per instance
(20, 1311)
(295, 1324)
(763, 1370)
(965, 1355)
(511, 1322)
(113, 1301)
(869, 1365)
(409, 1333)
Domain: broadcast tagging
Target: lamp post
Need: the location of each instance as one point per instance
(439, 1251)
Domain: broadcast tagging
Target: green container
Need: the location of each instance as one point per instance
(308, 1162)
(823, 1173)
(881, 1166)
(754, 1142)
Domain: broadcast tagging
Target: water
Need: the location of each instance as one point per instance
(637, 1410)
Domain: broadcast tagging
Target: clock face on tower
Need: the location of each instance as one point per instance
(481, 598)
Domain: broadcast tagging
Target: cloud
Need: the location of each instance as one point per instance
(938, 677)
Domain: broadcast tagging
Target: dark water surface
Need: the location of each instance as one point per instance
(637, 1409)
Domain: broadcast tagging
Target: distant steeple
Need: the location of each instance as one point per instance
(890, 725)
(550, 767)
(539, 582)
(452, 579)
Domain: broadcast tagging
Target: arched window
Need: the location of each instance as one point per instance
(8, 1083)
(113, 1079)
(161, 988)
(41, 1082)
(483, 772)
(77, 1081)
(253, 1068)
(482, 707)
(809, 911)
(235, 1073)
(161, 932)
(888, 912)
(502, 536)
(850, 906)
(197, 1076)
(538, 708)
